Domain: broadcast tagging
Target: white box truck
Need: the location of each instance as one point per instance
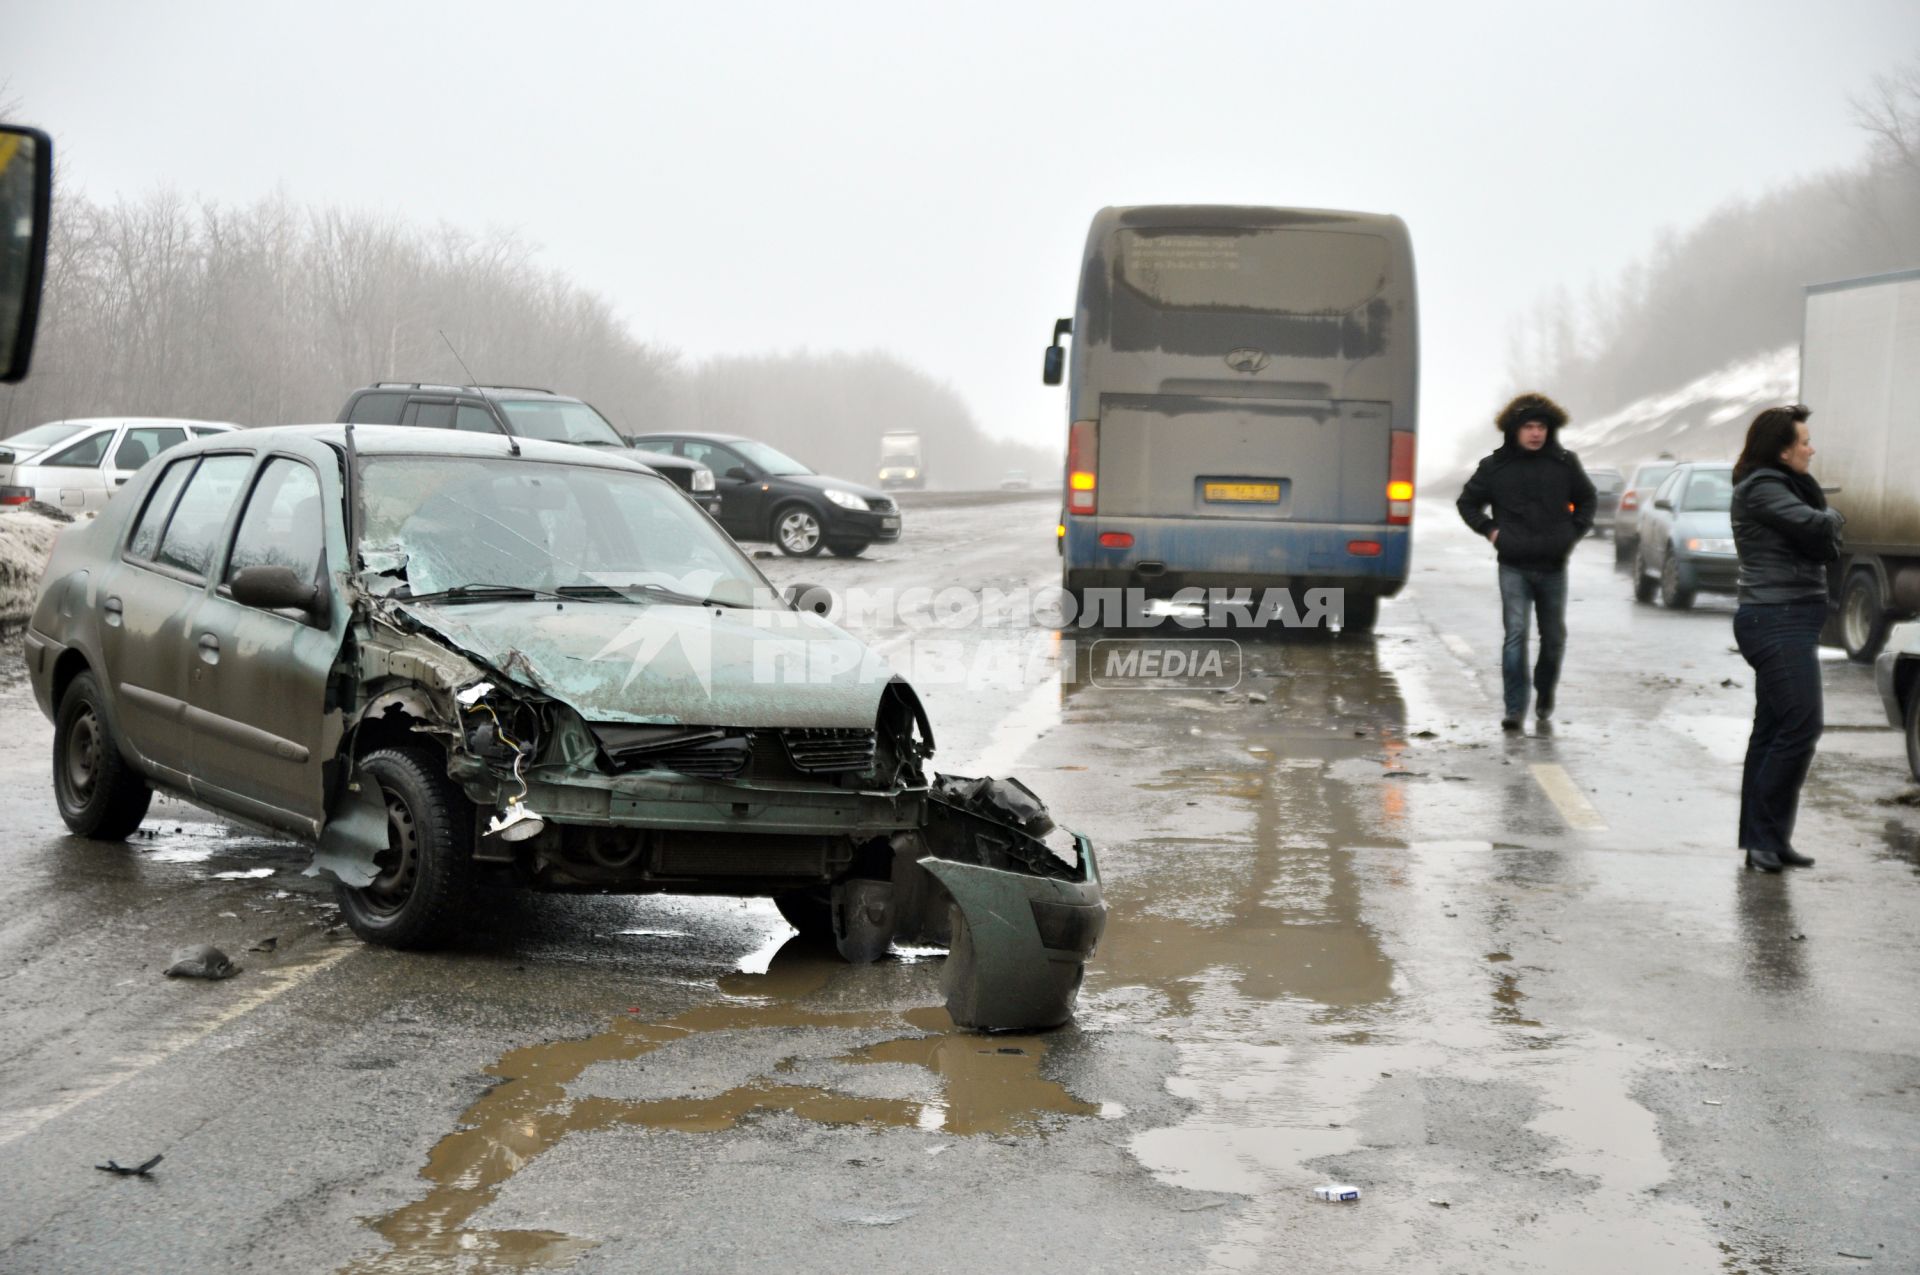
(1860, 373)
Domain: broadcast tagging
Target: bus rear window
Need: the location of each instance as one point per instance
(1284, 271)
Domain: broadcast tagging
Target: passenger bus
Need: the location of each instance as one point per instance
(1241, 403)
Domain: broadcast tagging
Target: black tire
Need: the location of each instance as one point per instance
(1672, 595)
(848, 551)
(1913, 728)
(99, 794)
(1643, 584)
(809, 911)
(1363, 612)
(797, 531)
(1863, 617)
(426, 875)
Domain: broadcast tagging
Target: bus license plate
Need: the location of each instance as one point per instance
(1255, 493)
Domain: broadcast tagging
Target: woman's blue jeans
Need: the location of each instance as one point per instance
(1780, 640)
(1523, 590)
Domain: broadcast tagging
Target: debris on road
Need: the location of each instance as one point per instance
(1444, 1204)
(267, 944)
(137, 1171)
(205, 961)
(1337, 1193)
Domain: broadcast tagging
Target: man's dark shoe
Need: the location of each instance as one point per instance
(1511, 725)
(1543, 725)
(1543, 705)
(1794, 859)
(1765, 860)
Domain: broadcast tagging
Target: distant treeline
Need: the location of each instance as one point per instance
(1733, 285)
(273, 313)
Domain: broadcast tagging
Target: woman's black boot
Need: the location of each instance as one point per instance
(1794, 859)
(1765, 860)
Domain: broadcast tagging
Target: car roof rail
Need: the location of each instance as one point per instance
(524, 389)
(414, 385)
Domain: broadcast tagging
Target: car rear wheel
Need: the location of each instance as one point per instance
(849, 550)
(796, 529)
(1673, 592)
(1644, 583)
(1362, 613)
(99, 794)
(426, 871)
(1863, 617)
(1913, 728)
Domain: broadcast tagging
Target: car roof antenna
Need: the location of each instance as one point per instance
(513, 444)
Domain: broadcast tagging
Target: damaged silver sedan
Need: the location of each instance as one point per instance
(451, 659)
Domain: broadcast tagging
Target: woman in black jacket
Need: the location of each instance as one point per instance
(1785, 535)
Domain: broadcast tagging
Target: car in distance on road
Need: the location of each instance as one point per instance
(1896, 673)
(902, 463)
(520, 411)
(1685, 537)
(767, 495)
(443, 657)
(1637, 493)
(1016, 480)
(77, 465)
(1608, 483)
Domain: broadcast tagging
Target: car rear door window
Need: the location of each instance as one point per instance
(146, 532)
(430, 415)
(712, 455)
(143, 442)
(377, 409)
(193, 533)
(475, 420)
(85, 454)
(283, 524)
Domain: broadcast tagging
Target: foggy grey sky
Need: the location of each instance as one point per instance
(758, 177)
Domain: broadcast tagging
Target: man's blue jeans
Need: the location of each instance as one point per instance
(1544, 593)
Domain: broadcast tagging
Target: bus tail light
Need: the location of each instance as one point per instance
(1400, 479)
(1083, 467)
(1116, 540)
(1364, 548)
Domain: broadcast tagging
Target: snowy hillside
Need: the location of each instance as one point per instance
(1705, 419)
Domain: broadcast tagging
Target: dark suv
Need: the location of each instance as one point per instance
(521, 411)
(767, 495)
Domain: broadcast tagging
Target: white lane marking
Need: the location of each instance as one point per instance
(18, 1124)
(1018, 731)
(1567, 797)
(1458, 645)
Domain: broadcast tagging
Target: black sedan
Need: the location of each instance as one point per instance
(767, 495)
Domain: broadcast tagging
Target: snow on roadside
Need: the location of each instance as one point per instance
(1705, 419)
(26, 538)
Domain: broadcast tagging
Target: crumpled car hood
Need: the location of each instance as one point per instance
(667, 664)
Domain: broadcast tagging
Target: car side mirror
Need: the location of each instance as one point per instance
(1056, 356)
(26, 200)
(1664, 504)
(810, 597)
(739, 474)
(277, 588)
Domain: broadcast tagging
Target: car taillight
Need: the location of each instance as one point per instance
(15, 495)
(1083, 466)
(1364, 548)
(1116, 540)
(1630, 502)
(1400, 479)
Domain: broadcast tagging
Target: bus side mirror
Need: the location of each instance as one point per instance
(1056, 362)
(1056, 357)
(26, 198)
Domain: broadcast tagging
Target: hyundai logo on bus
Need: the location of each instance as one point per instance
(1148, 664)
(1247, 359)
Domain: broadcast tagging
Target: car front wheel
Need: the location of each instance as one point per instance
(796, 529)
(426, 872)
(99, 795)
(1643, 584)
(1673, 591)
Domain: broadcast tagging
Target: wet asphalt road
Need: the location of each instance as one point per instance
(1518, 991)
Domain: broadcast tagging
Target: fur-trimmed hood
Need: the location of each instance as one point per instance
(1531, 407)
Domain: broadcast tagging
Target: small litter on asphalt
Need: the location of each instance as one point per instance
(1860, 1257)
(1713, 1102)
(1731, 685)
(1799, 938)
(1256, 698)
(137, 1171)
(1337, 1193)
(1424, 734)
(266, 944)
(1440, 1204)
(205, 961)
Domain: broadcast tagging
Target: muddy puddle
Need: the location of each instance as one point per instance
(966, 1084)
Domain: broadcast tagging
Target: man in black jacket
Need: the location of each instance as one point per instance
(1542, 505)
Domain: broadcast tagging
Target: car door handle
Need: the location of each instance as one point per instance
(209, 648)
(113, 610)
(119, 482)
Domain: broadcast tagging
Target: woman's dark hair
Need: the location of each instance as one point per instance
(1772, 432)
